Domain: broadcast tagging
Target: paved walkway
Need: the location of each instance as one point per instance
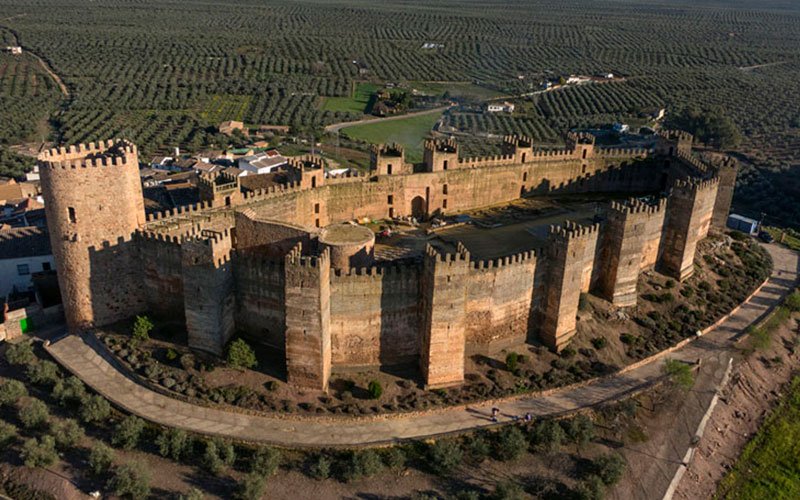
(95, 370)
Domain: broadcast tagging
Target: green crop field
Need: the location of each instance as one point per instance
(769, 466)
(357, 103)
(165, 72)
(410, 132)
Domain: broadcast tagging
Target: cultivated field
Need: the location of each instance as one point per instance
(410, 132)
(164, 72)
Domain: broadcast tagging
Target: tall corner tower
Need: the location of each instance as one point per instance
(93, 201)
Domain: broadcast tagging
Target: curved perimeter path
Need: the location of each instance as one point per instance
(94, 369)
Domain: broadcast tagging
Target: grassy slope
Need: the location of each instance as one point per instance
(357, 103)
(769, 467)
(410, 132)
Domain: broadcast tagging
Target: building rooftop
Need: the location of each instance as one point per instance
(24, 242)
(346, 234)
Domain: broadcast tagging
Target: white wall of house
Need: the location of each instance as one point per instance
(12, 275)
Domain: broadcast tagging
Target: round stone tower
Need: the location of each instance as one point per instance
(350, 246)
(93, 201)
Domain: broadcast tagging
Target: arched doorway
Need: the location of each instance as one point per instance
(418, 207)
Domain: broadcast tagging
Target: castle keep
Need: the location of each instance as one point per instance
(277, 264)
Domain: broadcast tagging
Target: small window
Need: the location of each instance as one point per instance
(390, 199)
(391, 213)
(523, 157)
(584, 153)
(444, 189)
(314, 182)
(389, 169)
(524, 176)
(316, 208)
(444, 203)
(71, 215)
(444, 165)
(46, 266)
(227, 201)
(316, 222)
(583, 169)
(23, 269)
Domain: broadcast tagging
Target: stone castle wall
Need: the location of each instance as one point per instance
(251, 261)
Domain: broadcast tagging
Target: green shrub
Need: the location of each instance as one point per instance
(68, 433)
(670, 284)
(609, 468)
(142, 328)
(8, 433)
(508, 490)
(32, 413)
(321, 467)
(579, 429)
(218, 455)
(20, 353)
(444, 456)
(173, 443)
(591, 488)
(375, 389)
(39, 452)
(265, 461)
(599, 342)
(131, 480)
(128, 432)
(192, 494)
(512, 361)
(479, 448)
(548, 436)
(362, 464)
(395, 458)
(69, 391)
(628, 339)
(252, 487)
(511, 443)
(43, 373)
(101, 457)
(793, 302)
(241, 355)
(568, 353)
(95, 409)
(12, 391)
(171, 355)
(679, 373)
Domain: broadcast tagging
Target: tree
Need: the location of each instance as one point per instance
(142, 328)
(252, 487)
(375, 389)
(32, 413)
(548, 436)
(508, 490)
(511, 443)
(131, 480)
(69, 391)
(173, 443)
(127, 433)
(609, 468)
(192, 494)
(20, 353)
(579, 430)
(321, 468)
(444, 456)
(43, 373)
(11, 391)
(265, 461)
(591, 488)
(39, 452)
(217, 455)
(95, 409)
(8, 433)
(101, 458)
(241, 355)
(67, 433)
(512, 360)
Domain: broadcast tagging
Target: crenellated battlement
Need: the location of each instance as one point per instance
(520, 141)
(461, 254)
(113, 152)
(580, 138)
(306, 162)
(614, 152)
(389, 149)
(501, 262)
(403, 272)
(635, 206)
(180, 211)
(694, 184)
(675, 135)
(441, 145)
(296, 258)
(571, 230)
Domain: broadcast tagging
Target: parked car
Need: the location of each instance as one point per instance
(765, 237)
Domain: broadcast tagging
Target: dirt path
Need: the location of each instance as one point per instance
(757, 66)
(335, 127)
(42, 62)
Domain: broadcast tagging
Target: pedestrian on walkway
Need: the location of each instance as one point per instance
(528, 417)
(495, 412)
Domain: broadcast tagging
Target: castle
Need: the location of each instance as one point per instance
(277, 265)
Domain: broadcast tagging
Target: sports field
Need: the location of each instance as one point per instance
(410, 132)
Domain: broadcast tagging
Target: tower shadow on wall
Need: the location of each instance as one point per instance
(399, 342)
(115, 282)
